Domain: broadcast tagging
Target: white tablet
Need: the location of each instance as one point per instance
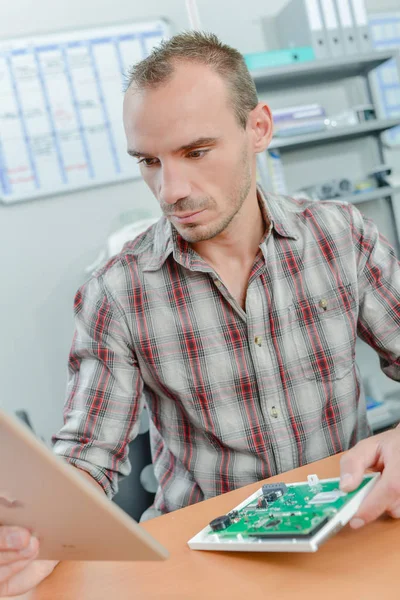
(71, 518)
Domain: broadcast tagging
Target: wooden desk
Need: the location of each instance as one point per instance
(361, 565)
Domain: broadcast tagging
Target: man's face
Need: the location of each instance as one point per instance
(195, 157)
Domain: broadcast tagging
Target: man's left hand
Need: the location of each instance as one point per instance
(379, 453)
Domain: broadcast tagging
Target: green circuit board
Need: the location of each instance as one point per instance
(285, 511)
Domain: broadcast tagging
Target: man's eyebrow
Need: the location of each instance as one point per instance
(199, 142)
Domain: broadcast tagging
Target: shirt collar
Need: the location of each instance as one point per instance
(275, 210)
(167, 240)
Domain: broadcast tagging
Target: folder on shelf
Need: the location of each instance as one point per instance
(333, 30)
(300, 24)
(361, 25)
(278, 58)
(270, 172)
(346, 21)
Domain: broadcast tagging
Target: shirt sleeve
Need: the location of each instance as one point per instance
(104, 391)
(379, 293)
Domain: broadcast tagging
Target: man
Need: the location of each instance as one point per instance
(234, 318)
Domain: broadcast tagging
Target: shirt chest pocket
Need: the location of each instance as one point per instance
(324, 330)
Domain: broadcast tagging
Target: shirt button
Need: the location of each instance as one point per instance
(217, 282)
(274, 412)
(258, 340)
(323, 303)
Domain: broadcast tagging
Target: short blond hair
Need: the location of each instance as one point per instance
(204, 48)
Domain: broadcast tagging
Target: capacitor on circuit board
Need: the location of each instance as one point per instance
(220, 523)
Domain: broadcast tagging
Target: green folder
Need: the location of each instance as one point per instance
(279, 58)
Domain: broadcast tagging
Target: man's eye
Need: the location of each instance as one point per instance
(148, 162)
(197, 153)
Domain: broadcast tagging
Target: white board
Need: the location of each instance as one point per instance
(61, 108)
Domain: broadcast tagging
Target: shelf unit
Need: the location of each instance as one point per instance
(320, 71)
(306, 75)
(327, 70)
(382, 192)
(376, 126)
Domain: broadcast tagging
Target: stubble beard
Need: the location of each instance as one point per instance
(194, 233)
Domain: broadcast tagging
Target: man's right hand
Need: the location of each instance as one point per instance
(19, 571)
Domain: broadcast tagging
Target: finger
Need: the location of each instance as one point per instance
(27, 578)
(384, 495)
(8, 571)
(394, 512)
(14, 538)
(29, 551)
(355, 462)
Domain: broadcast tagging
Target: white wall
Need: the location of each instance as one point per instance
(46, 244)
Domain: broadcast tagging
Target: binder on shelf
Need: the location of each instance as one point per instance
(346, 21)
(270, 172)
(300, 24)
(360, 17)
(333, 30)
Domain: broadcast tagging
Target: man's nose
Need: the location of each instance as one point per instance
(173, 185)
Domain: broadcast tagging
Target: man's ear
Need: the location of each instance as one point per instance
(261, 126)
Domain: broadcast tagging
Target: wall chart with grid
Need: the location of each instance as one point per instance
(61, 108)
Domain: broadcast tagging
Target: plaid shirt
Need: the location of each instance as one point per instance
(233, 396)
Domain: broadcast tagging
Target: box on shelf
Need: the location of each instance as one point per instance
(298, 120)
